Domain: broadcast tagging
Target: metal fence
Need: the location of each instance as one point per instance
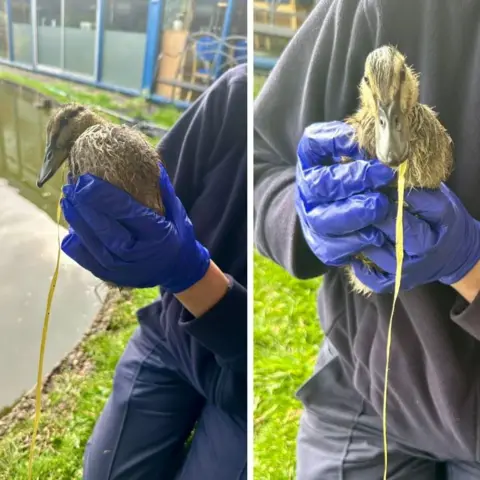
(168, 51)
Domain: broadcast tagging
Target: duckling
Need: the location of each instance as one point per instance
(392, 126)
(115, 153)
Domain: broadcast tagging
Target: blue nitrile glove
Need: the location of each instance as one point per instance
(336, 202)
(125, 243)
(441, 243)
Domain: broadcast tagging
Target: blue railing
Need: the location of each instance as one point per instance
(226, 49)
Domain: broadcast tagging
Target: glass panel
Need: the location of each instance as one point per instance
(3, 31)
(49, 21)
(22, 31)
(80, 33)
(206, 16)
(174, 11)
(124, 42)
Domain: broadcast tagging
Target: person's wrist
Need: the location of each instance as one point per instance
(206, 292)
(469, 286)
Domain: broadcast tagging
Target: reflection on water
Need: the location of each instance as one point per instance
(22, 144)
(28, 240)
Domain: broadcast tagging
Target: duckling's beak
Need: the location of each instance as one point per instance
(392, 134)
(51, 163)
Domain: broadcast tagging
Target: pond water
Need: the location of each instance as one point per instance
(28, 249)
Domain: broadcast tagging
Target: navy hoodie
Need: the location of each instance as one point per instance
(205, 154)
(434, 383)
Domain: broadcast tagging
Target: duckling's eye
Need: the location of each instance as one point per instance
(63, 122)
(403, 74)
(382, 122)
(365, 79)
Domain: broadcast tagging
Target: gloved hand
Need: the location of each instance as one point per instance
(125, 243)
(336, 202)
(441, 243)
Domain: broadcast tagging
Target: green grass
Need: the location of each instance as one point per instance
(73, 405)
(287, 338)
(258, 81)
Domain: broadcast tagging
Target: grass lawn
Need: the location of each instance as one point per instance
(287, 338)
(77, 396)
(73, 405)
(258, 81)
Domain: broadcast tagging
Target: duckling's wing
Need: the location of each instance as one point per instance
(431, 148)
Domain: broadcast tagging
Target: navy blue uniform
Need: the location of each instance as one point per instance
(179, 372)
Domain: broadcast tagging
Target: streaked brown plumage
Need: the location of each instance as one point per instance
(116, 153)
(394, 127)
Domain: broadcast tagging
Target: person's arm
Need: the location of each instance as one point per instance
(469, 286)
(206, 152)
(206, 293)
(314, 80)
(222, 328)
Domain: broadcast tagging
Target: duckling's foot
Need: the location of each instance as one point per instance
(366, 261)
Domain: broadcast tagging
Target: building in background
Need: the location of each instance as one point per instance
(275, 24)
(166, 50)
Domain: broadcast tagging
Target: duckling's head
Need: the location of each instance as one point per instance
(63, 129)
(388, 92)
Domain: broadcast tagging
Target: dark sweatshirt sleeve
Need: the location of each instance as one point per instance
(315, 80)
(223, 329)
(223, 332)
(206, 155)
(467, 315)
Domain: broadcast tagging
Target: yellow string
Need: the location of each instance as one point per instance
(38, 400)
(398, 278)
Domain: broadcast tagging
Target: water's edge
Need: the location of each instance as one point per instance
(28, 239)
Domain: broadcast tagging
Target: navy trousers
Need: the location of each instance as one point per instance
(157, 426)
(340, 436)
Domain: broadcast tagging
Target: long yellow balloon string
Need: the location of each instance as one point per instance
(38, 400)
(398, 278)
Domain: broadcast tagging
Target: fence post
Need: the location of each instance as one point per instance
(99, 40)
(227, 24)
(154, 28)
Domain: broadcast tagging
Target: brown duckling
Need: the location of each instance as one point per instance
(115, 153)
(392, 126)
